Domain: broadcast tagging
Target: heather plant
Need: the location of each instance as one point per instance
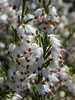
(35, 68)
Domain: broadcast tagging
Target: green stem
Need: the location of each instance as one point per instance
(23, 8)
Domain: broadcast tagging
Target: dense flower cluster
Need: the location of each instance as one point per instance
(32, 60)
(27, 57)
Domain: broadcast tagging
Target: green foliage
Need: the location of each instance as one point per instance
(23, 7)
(44, 3)
(5, 93)
(46, 6)
(45, 42)
(4, 70)
(15, 37)
(28, 21)
(72, 70)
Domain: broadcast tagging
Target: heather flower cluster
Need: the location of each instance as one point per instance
(27, 58)
(36, 55)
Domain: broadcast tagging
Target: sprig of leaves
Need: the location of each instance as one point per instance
(16, 37)
(5, 93)
(46, 6)
(23, 7)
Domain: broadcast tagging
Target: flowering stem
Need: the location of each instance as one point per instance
(46, 6)
(23, 8)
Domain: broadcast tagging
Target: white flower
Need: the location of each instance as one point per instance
(45, 73)
(15, 2)
(21, 30)
(28, 17)
(56, 19)
(65, 68)
(64, 76)
(47, 17)
(16, 97)
(27, 59)
(62, 94)
(53, 78)
(53, 11)
(56, 50)
(25, 98)
(11, 47)
(68, 82)
(28, 38)
(42, 89)
(30, 30)
(4, 17)
(17, 51)
(38, 51)
(11, 70)
(33, 6)
(70, 86)
(50, 28)
(54, 40)
(73, 89)
(2, 45)
(38, 12)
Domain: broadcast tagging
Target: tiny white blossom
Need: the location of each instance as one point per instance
(11, 47)
(4, 17)
(53, 78)
(64, 76)
(42, 89)
(38, 12)
(53, 11)
(20, 30)
(15, 2)
(28, 17)
(45, 73)
(29, 30)
(62, 94)
(16, 97)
